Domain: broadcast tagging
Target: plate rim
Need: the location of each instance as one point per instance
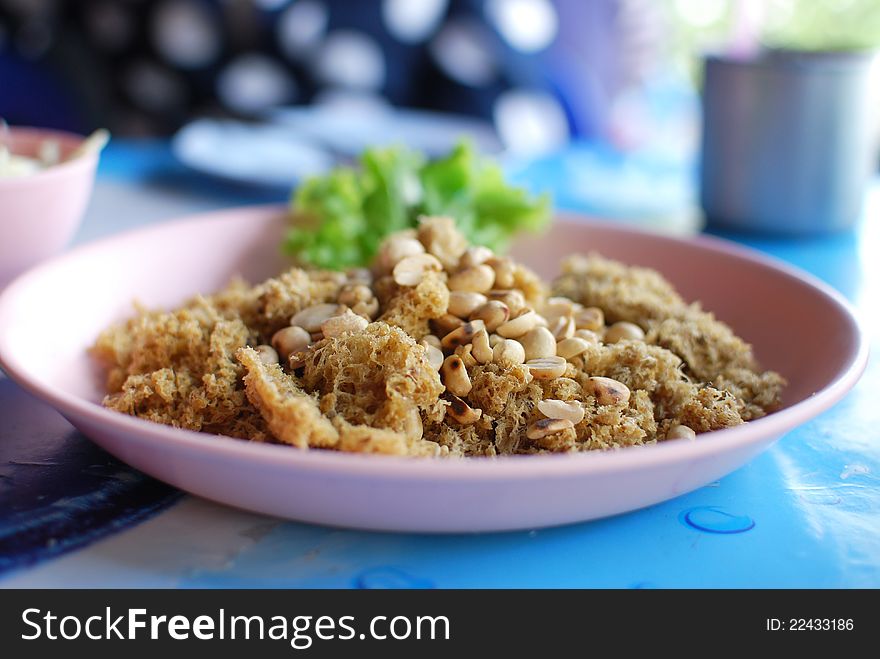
(771, 427)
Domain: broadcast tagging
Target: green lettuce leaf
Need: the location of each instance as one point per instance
(339, 219)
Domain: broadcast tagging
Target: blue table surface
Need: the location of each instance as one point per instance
(806, 513)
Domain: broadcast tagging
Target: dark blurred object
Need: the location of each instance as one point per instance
(540, 70)
(789, 140)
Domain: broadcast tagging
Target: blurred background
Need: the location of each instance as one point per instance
(613, 82)
(614, 70)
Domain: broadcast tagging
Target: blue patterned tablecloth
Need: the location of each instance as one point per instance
(804, 514)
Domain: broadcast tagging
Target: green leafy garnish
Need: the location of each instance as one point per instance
(340, 219)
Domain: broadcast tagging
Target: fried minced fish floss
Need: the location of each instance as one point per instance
(440, 348)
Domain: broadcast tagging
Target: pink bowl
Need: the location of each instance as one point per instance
(40, 213)
(799, 326)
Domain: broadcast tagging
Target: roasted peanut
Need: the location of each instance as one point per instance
(587, 335)
(562, 409)
(590, 318)
(411, 270)
(624, 331)
(466, 354)
(367, 309)
(481, 350)
(347, 323)
(441, 238)
(513, 298)
(544, 427)
(434, 354)
(395, 249)
(352, 294)
(431, 339)
(555, 307)
(476, 255)
(478, 278)
(268, 354)
(463, 303)
(538, 342)
(311, 318)
(608, 391)
(290, 340)
(504, 270)
(462, 335)
(455, 376)
(508, 351)
(547, 368)
(572, 347)
(516, 327)
(462, 412)
(679, 431)
(562, 327)
(445, 324)
(493, 313)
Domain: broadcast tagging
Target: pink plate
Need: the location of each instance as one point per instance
(50, 315)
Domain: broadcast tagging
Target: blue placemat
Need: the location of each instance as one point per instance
(805, 513)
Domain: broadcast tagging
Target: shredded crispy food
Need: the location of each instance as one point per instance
(390, 360)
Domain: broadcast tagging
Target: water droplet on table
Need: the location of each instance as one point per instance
(389, 578)
(854, 470)
(712, 519)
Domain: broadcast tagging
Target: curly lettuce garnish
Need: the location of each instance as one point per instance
(340, 219)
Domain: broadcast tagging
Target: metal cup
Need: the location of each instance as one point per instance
(789, 140)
